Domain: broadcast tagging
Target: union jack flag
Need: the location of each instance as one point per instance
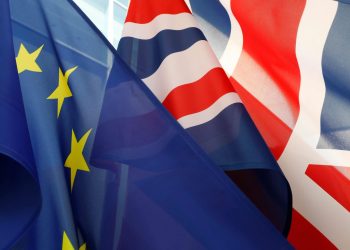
(164, 46)
(289, 62)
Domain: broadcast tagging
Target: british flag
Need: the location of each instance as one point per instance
(289, 62)
(164, 46)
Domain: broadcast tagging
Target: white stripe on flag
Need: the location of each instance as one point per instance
(162, 22)
(182, 67)
(211, 112)
(318, 207)
(233, 50)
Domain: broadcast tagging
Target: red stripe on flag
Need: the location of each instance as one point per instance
(269, 38)
(275, 132)
(332, 181)
(197, 96)
(304, 236)
(144, 11)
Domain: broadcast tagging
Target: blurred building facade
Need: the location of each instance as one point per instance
(108, 16)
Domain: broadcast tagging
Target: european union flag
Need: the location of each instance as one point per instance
(89, 157)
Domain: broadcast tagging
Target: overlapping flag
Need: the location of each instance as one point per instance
(163, 45)
(289, 62)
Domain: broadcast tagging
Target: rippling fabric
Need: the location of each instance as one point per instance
(289, 62)
(89, 157)
(191, 84)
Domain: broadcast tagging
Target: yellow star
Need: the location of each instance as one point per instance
(83, 247)
(62, 91)
(75, 160)
(67, 244)
(26, 60)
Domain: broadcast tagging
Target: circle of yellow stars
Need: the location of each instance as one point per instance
(27, 61)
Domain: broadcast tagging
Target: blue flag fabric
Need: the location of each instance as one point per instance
(89, 157)
(16, 156)
(163, 45)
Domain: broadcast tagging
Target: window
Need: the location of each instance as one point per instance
(119, 12)
(107, 15)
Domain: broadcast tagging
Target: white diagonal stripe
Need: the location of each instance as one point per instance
(233, 50)
(316, 205)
